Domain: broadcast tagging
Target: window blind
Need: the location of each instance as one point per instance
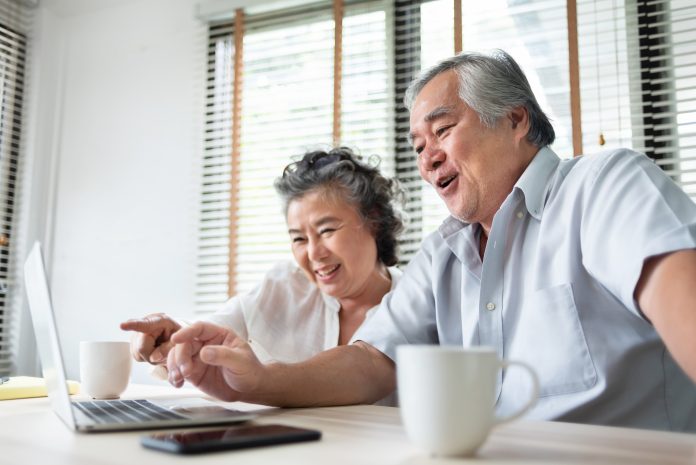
(637, 88)
(667, 38)
(605, 83)
(213, 229)
(437, 43)
(638, 74)
(535, 33)
(13, 50)
(367, 118)
(286, 110)
(406, 65)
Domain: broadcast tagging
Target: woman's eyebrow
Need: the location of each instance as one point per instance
(320, 222)
(326, 219)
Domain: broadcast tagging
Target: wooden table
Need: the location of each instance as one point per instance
(31, 434)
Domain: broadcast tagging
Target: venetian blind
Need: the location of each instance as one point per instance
(407, 56)
(286, 108)
(437, 43)
(638, 64)
(667, 40)
(533, 32)
(606, 88)
(13, 49)
(367, 117)
(213, 229)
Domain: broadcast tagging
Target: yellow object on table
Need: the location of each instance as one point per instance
(21, 387)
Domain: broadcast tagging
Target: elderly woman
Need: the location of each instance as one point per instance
(342, 225)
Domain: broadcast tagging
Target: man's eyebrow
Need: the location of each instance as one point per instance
(438, 112)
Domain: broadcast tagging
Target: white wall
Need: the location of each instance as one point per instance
(128, 119)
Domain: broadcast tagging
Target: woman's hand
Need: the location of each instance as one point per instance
(215, 360)
(151, 341)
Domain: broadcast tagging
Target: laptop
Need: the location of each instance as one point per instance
(105, 415)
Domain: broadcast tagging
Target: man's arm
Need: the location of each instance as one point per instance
(666, 294)
(215, 360)
(353, 374)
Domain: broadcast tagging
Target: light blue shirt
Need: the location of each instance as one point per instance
(556, 287)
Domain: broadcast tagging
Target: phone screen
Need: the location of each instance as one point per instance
(238, 437)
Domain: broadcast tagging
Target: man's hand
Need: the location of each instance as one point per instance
(215, 360)
(151, 341)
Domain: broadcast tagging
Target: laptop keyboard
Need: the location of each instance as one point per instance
(125, 411)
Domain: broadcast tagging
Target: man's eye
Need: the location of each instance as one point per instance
(326, 231)
(418, 150)
(442, 130)
(297, 239)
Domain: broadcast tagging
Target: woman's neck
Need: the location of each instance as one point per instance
(354, 310)
(377, 285)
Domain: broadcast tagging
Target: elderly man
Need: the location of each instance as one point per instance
(584, 268)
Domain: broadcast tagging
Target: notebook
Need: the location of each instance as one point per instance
(23, 387)
(104, 415)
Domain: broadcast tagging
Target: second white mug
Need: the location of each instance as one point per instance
(105, 368)
(447, 396)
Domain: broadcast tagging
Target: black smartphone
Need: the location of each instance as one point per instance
(236, 437)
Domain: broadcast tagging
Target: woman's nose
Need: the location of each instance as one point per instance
(316, 249)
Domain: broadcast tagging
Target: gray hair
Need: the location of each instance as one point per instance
(340, 172)
(492, 85)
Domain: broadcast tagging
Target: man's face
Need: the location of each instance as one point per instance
(472, 167)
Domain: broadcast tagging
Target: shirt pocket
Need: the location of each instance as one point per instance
(549, 336)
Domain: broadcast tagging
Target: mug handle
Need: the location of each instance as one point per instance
(532, 399)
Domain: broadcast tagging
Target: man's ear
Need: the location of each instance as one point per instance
(519, 121)
(518, 116)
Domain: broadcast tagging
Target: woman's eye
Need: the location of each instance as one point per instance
(419, 150)
(296, 240)
(326, 231)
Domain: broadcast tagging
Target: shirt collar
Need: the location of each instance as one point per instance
(535, 180)
(533, 184)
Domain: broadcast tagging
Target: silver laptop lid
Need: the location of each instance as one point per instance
(46, 334)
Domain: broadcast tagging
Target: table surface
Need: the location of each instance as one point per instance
(30, 433)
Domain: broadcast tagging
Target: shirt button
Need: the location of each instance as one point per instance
(490, 306)
(520, 214)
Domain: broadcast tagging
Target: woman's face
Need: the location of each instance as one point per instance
(331, 244)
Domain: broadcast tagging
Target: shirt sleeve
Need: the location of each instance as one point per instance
(632, 211)
(406, 314)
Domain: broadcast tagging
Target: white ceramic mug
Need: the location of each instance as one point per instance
(104, 368)
(447, 396)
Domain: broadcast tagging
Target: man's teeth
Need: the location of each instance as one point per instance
(446, 181)
(323, 273)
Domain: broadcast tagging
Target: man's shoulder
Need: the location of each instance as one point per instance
(604, 159)
(606, 163)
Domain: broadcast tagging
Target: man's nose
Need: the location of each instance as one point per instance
(431, 157)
